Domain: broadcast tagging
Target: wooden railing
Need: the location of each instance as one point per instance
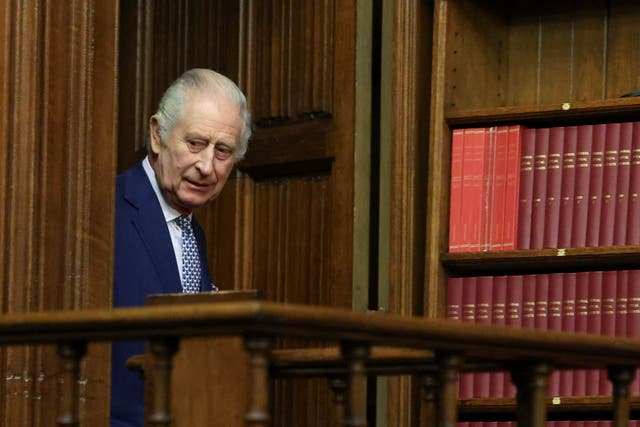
(441, 349)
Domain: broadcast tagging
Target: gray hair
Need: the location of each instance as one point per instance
(196, 81)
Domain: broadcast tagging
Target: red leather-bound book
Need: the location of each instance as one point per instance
(455, 198)
(594, 325)
(609, 184)
(473, 195)
(540, 174)
(554, 321)
(484, 301)
(595, 185)
(526, 188)
(608, 322)
(581, 325)
(454, 298)
(497, 189)
(633, 316)
(512, 190)
(622, 297)
(499, 314)
(529, 284)
(633, 222)
(568, 186)
(541, 310)
(622, 185)
(515, 298)
(554, 187)
(469, 295)
(568, 325)
(581, 193)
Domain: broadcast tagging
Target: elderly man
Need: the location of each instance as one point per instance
(201, 129)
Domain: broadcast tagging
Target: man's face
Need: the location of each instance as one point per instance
(189, 172)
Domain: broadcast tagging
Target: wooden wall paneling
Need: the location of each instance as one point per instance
(523, 37)
(623, 58)
(412, 81)
(555, 63)
(23, 45)
(588, 53)
(58, 69)
(135, 83)
(475, 55)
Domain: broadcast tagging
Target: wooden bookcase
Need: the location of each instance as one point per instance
(537, 63)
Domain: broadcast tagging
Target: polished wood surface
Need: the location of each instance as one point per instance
(57, 168)
(412, 28)
(542, 261)
(529, 353)
(210, 378)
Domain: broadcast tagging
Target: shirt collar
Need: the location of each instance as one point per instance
(168, 211)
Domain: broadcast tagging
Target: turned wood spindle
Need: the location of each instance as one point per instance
(621, 377)
(71, 354)
(162, 351)
(339, 387)
(448, 373)
(259, 349)
(531, 381)
(356, 356)
(429, 399)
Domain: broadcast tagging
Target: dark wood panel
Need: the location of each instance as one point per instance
(58, 131)
(623, 50)
(587, 53)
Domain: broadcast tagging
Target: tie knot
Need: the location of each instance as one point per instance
(184, 223)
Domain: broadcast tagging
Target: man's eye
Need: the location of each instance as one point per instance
(195, 145)
(223, 152)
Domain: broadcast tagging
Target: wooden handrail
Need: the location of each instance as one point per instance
(454, 345)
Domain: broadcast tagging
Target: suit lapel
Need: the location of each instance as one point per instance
(152, 229)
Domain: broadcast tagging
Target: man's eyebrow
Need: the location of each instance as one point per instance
(195, 135)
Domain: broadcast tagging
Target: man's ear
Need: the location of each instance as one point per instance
(154, 135)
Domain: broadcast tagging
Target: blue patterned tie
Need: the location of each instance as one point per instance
(190, 258)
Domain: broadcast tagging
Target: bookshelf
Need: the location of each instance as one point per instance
(536, 63)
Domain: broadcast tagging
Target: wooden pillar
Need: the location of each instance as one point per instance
(71, 354)
(449, 371)
(531, 381)
(429, 400)
(356, 356)
(621, 377)
(162, 351)
(259, 349)
(339, 387)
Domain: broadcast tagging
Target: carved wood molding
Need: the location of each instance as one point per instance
(57, 115)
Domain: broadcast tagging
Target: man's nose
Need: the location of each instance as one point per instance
(206, 160)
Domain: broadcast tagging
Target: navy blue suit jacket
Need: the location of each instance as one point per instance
(144, 264)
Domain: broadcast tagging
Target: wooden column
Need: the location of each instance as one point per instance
(71, 354)
(259, 349)
(621, 377)
(531, 381)
(162, 351)
(449, 372)
(356, 356)
(429, 400)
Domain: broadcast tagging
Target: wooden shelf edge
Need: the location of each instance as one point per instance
(541, 260)
(618, 108)
(558, 408)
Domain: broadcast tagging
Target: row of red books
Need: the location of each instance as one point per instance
(485, 177)
(596, 302)
(569, 186)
